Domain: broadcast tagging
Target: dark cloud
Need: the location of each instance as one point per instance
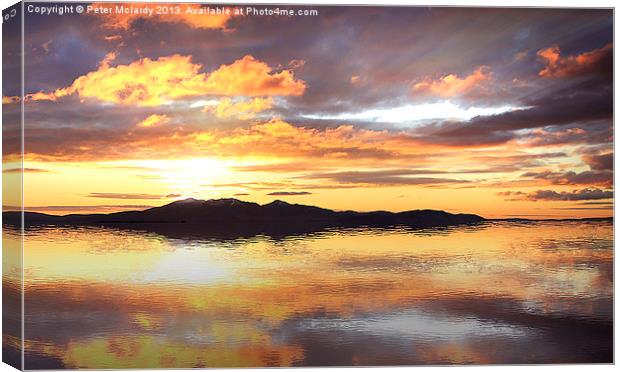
(387, 47)
(112, 195)
(603, 162)
(26, 170)
(604, 178)
(172, 196)
(598, 61)
(514, 162)
(385, 177)
(551, 195)
(586, 208)
(83, 208)
(558, 107)
(593, 133)
(289, 193)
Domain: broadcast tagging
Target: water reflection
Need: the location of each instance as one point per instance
(497, 293)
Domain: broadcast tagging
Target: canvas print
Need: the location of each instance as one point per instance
(251, 185)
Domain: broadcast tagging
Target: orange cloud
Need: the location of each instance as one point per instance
(276, 139)
(154, 121)
(273, 138)
(42, 96)
(112, 37)
(148, 82)
(279, 138)
(520, 55)
(250, 77)
(452, 85)
(192, 15)
(6, 100)
(110, 57)
(226, 108)
(558, 66)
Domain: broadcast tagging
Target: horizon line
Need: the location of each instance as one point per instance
(142, 208)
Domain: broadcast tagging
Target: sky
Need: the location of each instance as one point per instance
(499, 112)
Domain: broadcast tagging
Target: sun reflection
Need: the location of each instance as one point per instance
(170, 302)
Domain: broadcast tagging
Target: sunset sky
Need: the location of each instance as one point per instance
(498, 112)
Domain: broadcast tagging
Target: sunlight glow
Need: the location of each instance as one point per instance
(413, 113)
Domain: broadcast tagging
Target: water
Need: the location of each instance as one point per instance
(495, 293)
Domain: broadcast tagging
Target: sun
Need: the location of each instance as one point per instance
(186, 177)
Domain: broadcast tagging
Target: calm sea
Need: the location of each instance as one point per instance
(501, 292)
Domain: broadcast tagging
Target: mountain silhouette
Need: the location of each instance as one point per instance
(239, 218)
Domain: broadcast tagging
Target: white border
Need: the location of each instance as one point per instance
(469, 3)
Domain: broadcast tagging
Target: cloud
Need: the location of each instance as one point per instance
(515, 161)
(601, 178)
(585, 102)
(609, 207)
(26, 170)
(270, 186)
(112, 37)
(276, 168)
(148, 82)
(81, 208)
(251, 77)
(191, 15)
(512, 195)
(244, 109)
(296, 148)
(452, 85)
(385, 177)
(289, 193)
(519, 56)
(109, 58)
(583, 194)
(154, 121)
(602, 162)
(597, 61)
(172, 196)
(7, 100)
(46, 46)
(274, 138)
(277, 137)
(553, 136)
(109, 195)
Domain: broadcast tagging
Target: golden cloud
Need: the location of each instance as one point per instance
(244, 110)
(148, 82)
(250, 77)
(279, 138)
(452, 85)
(109, 58)
(192, 15)
(275, 138)
(558, 66)
(344, 145)
(7, 100)
(154, 121)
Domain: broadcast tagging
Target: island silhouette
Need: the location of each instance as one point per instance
(235, 218)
